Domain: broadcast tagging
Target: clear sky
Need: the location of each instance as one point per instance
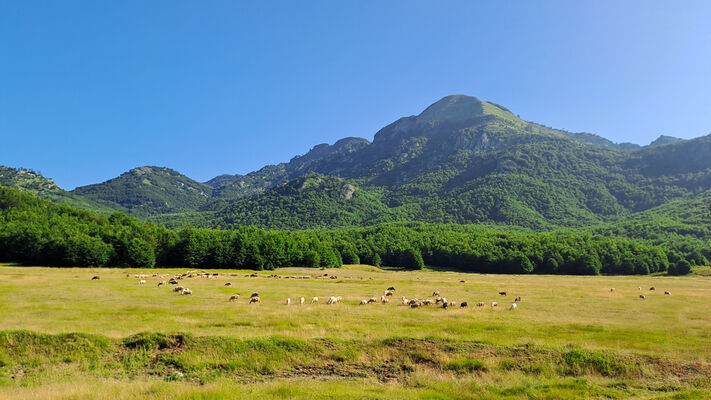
(90, 89)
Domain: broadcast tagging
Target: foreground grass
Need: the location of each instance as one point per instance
(570, 337)
(181, 366)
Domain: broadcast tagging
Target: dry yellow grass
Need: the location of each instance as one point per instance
(556, 312)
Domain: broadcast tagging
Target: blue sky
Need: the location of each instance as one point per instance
(90, 89)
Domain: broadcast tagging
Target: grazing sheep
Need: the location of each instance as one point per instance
(426, 302)
(288, 301)
(178, 289)
(228, 283)
(494, 304)
(234, 297)
(255, 294)
(388, 293)
(142, 282)
(186, 291)
(314, 300)
(502, 293)
(391, 288)
(363, 302)
(480, 304)
(161, 283)
(172, 281)
(517, 299)
(384, 299)
(452, 304)
(404, 300)
(414, 303)
(254, 300)
(301, 300)
(464, 304)
(612, 289)
(95, 278)
(438, 300)
(639, 288)
(334, 300)
(641, 296)
(372, 300)
(652, 288)
(462, 281)
(445, 305)
(436, 293)
(513, 306)
(668, 293)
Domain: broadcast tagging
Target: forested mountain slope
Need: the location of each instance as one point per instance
(149, 190)
(461, 160)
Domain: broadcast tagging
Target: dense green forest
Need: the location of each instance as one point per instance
(36, 231)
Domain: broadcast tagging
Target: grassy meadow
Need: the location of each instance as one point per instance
(64, 335)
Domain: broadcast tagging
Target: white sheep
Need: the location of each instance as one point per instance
(314, 300)
(480, 304)
(612, 289)
(641, 296)
(388, 293)
(187, 291)
(161, 283)
(668, 293)
(234, 297)
(404, 300)
(363, 302)
(142, 282)
(301, 301)
(494, 304)
(288, 301)
(254, 299)
(384, 299)
(178, 289)
(372, 300)
(513, 306)
(436, 293)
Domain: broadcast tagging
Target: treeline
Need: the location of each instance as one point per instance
(487, 250)
(35, 231)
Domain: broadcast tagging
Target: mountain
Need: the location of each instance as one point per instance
(148, 191)
(31, 181)
(27, 180)
(662, 140)
(461, 160)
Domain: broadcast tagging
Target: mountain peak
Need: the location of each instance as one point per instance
(459, 108)
(664, 139)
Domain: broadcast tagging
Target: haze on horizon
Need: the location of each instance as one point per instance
(90, 90)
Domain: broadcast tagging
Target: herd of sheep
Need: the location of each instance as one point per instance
(436, 300)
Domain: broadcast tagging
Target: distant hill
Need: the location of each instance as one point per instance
(148, 191)
(31, 181)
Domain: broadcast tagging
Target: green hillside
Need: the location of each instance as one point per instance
(31, 181)
(148, 191)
